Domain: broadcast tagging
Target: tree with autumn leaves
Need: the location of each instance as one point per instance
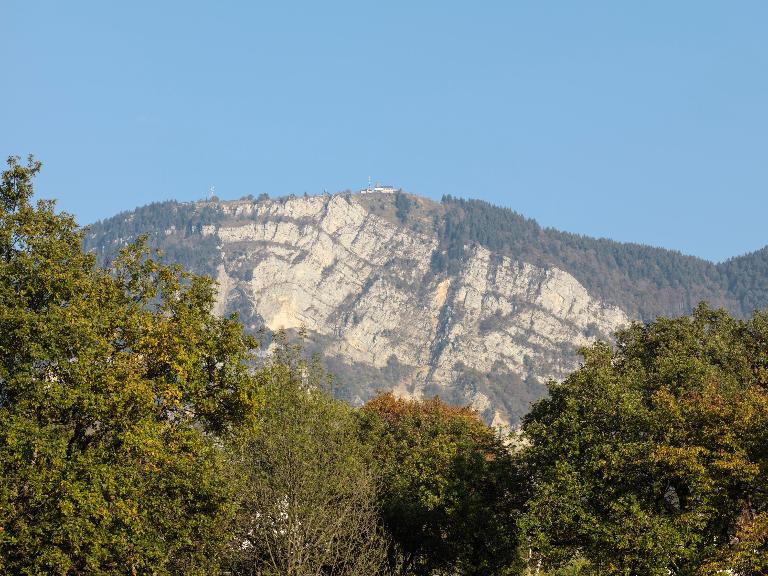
(653, 457)
(117, 388)
(449, 496)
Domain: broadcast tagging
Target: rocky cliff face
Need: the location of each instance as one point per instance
(361, 285)
(488, 331)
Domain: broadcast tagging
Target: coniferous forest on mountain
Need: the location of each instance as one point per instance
(140, 433)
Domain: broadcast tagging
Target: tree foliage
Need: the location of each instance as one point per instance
(653, 457)
(403, 206)
(117, 388)
(307, 504)
(449, 495)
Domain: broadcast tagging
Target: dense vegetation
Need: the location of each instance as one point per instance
(644, 281)
(654, 455)
(141, 434)
(117, 388)
(165, 225)
(449, 496)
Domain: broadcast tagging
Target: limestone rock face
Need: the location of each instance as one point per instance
(489, 333)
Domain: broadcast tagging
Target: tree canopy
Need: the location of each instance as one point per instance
(653, 457)
(449, 497)
(116, 388)
(307, 503)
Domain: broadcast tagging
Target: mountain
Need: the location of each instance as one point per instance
(459, 298)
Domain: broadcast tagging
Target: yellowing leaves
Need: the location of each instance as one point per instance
(110, 430)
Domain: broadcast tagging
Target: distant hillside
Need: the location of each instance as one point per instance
(644, 281)
(458, 298)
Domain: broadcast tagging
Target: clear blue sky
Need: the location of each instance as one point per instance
(639, 121)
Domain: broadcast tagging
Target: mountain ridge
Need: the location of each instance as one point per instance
(757, 257)
(459, 298)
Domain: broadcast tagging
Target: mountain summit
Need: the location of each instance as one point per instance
(459, 298)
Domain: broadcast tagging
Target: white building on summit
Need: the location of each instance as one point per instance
(380, 188)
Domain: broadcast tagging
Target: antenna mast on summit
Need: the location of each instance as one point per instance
(211, 190)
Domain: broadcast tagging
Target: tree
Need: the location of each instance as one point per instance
(118, 389)
(308, 493)
(653, 457)
(402, 206)
(449, 495)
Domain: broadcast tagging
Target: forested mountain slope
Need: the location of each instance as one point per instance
(644, 281)
(459, 298)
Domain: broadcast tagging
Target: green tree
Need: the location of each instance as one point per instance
(308, 492)
(449, 495)
(653, 457)
(118, 389)
(402, 206)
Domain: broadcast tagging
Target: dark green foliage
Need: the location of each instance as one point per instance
(449, 496)
(653, 458)
(402, 206)
(645, 281)
(170, 226)
(117, 388)
(746, 279)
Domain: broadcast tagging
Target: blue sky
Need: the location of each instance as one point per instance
(643, 122)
